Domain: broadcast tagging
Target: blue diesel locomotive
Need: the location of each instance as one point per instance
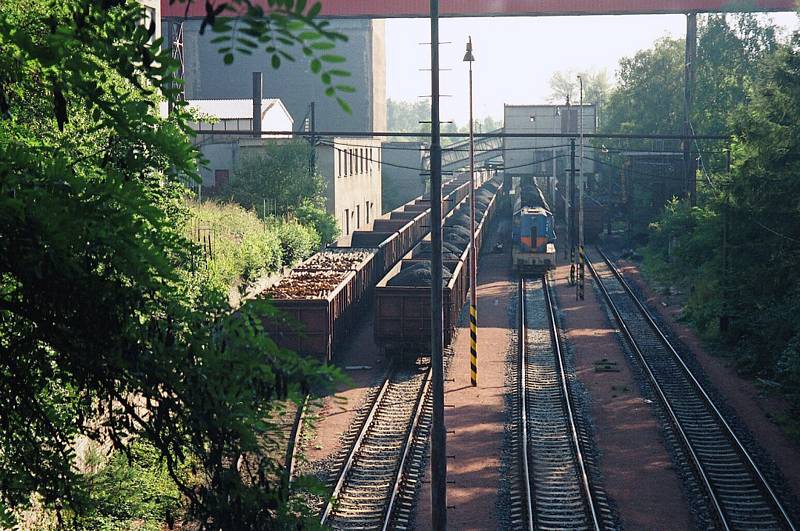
(533, 233)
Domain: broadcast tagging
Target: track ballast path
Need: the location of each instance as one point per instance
(369, 485)
(736, 491)
(556, 492)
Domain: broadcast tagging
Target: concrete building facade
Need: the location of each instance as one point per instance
(207, 77)
(352, 170)
(402, 173)
(534, 156)
(547, 160)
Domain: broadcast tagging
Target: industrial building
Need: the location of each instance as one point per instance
(542, 157)
(207, 77)
(403, 175)
(352, 171)
(222, 151)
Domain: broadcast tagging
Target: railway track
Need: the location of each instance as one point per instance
(737, 494)
(290, 461)
(556, 492)
(375, 486)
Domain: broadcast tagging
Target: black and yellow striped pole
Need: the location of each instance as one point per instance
(581, 270)
(473, 344)
(473, 254)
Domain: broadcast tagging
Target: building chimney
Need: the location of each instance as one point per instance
(257, 97)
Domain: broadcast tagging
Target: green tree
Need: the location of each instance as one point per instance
(730, 52)
(751, 279)
(279, 174)
(648, 97)
(103, 331)
(402, 116)
(564, 84)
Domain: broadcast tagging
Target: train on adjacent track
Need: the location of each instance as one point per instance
(533, 232)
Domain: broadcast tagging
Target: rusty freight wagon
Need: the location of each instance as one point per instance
(314, 311)
(403, 315)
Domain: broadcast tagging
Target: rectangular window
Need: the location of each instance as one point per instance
(221, 178)
(358, 216)
(346, 221)
(340, 169)
(367, 209)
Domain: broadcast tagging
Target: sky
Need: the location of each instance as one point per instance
(515, 57)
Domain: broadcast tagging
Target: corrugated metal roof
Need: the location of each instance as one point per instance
(234, 108)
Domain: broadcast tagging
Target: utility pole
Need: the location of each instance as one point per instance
(473, 254)
(568, 191)
(581, 186)
(690, 178)
(553, 196)
(438, 433)
(257, 98)
(572, 214)
(724, 319)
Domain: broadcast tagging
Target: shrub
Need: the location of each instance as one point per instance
(298, 242)
(312, 215)
(243, 247)
(136, 493)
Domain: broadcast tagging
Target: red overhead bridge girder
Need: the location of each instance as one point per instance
(489, 8)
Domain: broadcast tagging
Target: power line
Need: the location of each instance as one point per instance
(455, 150)
(562, 155)
(394, 134)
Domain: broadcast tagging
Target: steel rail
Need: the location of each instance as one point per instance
(522, 348)
(567, 394)
(710, 491)
(423, 396)
(353, 452)
(291, 450)
(739, 447)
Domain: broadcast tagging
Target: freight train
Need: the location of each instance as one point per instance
(532, 232)
(320, 301)
(403, 297)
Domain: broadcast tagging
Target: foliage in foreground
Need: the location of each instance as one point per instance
(104, 332)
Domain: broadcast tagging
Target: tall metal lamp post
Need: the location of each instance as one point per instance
(582, 185)
(473, 267)
(553, 196)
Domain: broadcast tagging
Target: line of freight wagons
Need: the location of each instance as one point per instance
(319, 299)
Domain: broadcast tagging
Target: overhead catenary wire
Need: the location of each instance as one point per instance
(448, 149)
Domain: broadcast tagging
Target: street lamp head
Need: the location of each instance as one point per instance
(468, 57)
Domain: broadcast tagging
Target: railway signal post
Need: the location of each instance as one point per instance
(473, 258)
(571, 212)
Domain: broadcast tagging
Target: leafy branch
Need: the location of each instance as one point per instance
(286, 26)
